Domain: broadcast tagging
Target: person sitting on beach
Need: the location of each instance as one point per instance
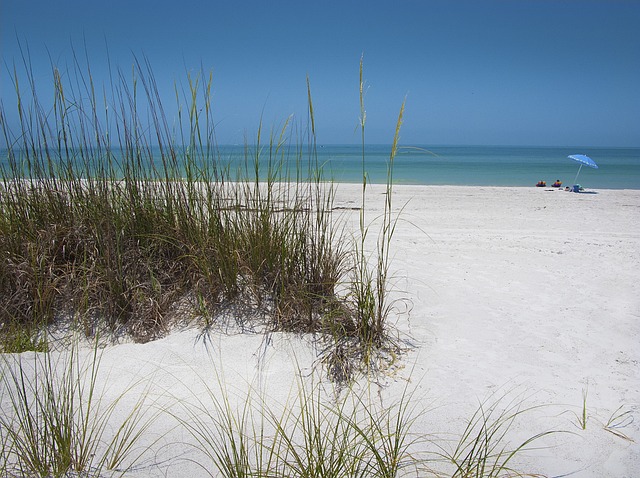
(557, 184)
(541, 184)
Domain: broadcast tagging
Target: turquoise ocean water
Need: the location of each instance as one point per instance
(619, 168)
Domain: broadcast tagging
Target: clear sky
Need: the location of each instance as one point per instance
(512, 72)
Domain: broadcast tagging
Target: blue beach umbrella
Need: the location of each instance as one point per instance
(583, 160)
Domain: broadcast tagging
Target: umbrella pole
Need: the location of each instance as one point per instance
(575, 181)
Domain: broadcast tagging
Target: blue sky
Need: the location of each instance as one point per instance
(474, 72)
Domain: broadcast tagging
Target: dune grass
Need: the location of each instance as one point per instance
(622, 417)
(308, 436)
(484, 449)
(240, 430)
(117, 222)
(54, 419)
(369, 283)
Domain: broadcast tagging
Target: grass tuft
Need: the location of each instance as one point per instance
(618, 420)
(484, 449)
(116, 221)
(54, 421)
(311, 435)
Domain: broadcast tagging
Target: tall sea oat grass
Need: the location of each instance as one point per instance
(369, 284)
(324, 430)
(114, 218)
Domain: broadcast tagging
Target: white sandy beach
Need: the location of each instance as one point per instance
(530, 293)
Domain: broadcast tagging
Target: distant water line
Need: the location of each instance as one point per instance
(619, 168)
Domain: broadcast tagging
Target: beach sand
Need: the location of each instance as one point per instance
(529, 294)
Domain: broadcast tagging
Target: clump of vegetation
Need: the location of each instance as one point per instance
(57, 420)
(484, 448)
(309, 436)
(114, 220)
(54, 419)
(371, 283)
(321, 431)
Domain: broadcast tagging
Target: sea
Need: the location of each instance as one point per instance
(618, 168)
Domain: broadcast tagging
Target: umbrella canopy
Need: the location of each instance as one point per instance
(583, 160)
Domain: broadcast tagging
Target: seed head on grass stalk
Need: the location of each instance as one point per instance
(583, 418)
